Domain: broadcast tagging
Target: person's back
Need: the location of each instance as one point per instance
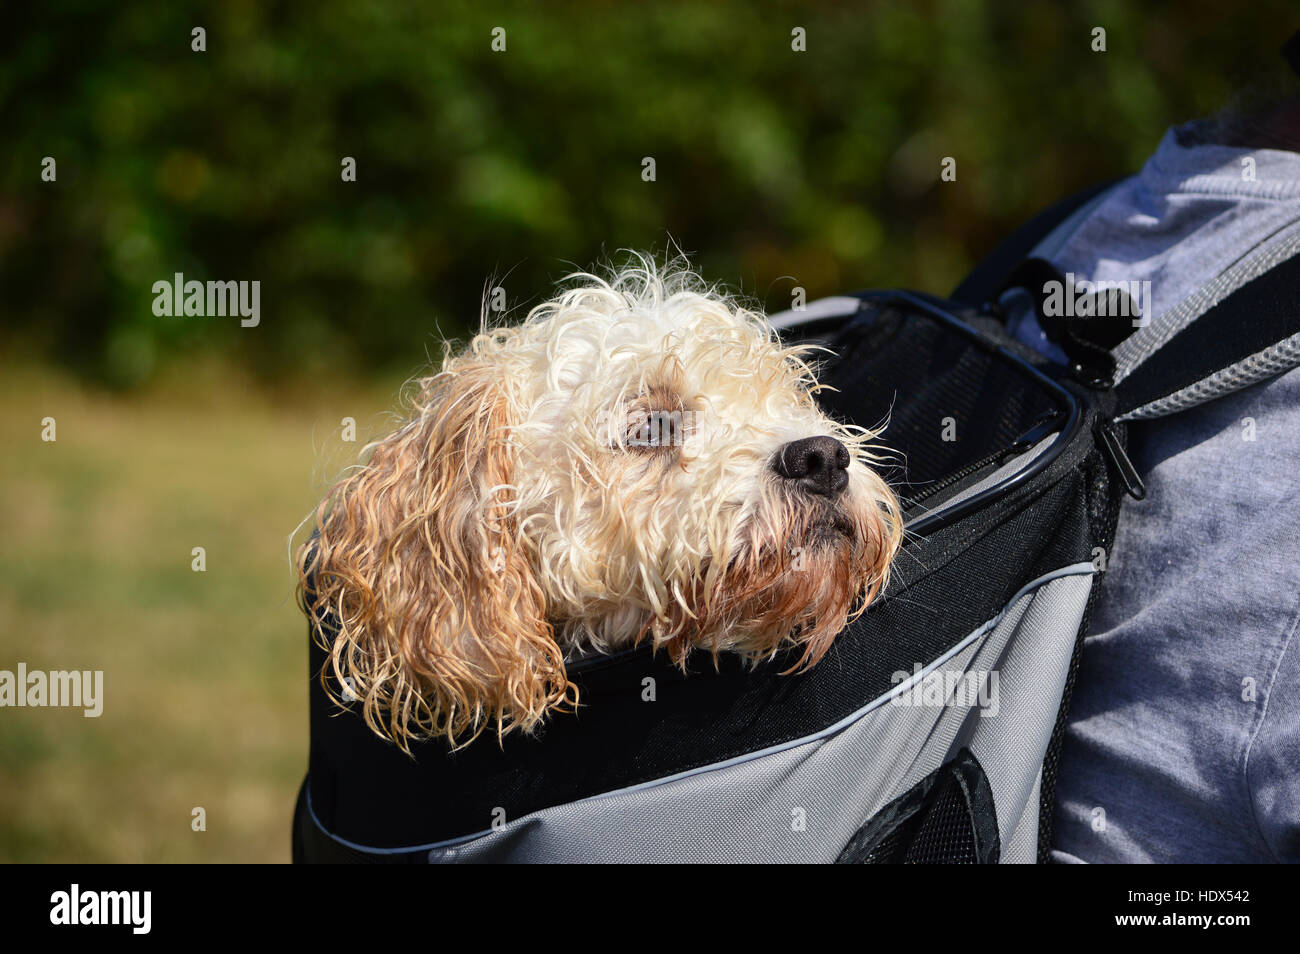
(1183, 742)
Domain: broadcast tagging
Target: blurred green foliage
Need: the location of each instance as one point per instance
(774, 168)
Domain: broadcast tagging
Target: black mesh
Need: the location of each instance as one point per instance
(946, 836)
(908, 367)
(1104, 516)
(946, 818)
(890, 850)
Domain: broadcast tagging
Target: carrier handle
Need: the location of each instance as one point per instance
(1087, 339)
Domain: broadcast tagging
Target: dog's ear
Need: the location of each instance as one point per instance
(883, 535)
(431, 611)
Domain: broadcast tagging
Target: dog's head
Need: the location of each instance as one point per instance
(641, 459)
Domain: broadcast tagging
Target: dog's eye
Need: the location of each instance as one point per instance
(651, 431)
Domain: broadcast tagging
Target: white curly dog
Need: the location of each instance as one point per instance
(640, 459)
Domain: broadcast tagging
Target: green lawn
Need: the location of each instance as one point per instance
(204, 673)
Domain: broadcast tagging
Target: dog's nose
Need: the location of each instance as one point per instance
(820, 465)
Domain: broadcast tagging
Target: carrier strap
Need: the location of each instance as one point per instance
(1252, 334)
(991, 274)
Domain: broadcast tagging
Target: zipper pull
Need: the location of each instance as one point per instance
(1127, 472)
(1035, 434)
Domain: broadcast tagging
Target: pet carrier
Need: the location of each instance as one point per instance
(930, 732)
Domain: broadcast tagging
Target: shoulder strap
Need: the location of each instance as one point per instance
(1252, 334)
(991, 274)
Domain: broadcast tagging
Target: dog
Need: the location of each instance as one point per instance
(640, 460)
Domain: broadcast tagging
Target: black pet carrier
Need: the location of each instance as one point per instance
(930, 732)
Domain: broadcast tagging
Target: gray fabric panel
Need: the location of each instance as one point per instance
(821, 308)
(1032, 677)
(1021, 848)
(742, 812)
(745, 810)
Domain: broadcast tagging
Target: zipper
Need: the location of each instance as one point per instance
(955, 477)
(1110, 442)
(1021, 444)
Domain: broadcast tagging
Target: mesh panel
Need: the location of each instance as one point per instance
(911, 369)
(946, 818)
(946, 836)
(889, 851)
(1104, 534)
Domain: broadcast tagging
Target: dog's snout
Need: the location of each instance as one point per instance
(819, 465)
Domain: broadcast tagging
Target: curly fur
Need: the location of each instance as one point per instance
(520, 515)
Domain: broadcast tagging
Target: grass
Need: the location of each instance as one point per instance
(205, 675)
